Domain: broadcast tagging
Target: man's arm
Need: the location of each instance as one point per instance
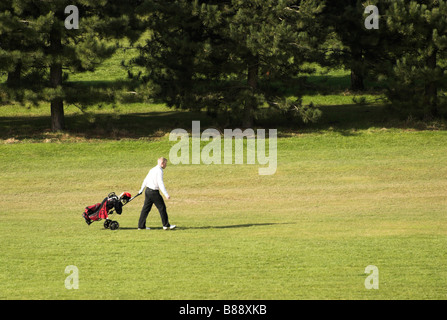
(161, 184)
(143, 185)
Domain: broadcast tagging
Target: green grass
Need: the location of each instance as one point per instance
(336, 204)
(358, 188)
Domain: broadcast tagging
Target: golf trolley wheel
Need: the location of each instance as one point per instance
(114, 225)
(107, 224)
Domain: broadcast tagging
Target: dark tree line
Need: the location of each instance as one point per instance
(224, 56)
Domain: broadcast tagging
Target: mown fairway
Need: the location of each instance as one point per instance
(338, 202)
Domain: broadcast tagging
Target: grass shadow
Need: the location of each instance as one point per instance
(345, 119)
(113, 126)
(247, 225)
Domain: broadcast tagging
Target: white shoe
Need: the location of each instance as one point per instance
(170, 227)
(143, 229)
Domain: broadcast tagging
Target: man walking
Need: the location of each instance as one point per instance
(153, 183)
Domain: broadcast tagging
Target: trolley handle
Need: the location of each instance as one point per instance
(113, 209)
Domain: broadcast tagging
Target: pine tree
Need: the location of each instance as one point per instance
(351, 44)
(270, 38)
(172, 54)
(18, 41)
(39, 44)
(419, 71)
(215, 55)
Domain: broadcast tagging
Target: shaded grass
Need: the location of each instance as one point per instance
(342, 111)
(328, 90)
(143, 121)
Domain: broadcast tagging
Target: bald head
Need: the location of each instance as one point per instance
(162, 162)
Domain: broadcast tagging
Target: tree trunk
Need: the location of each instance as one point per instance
(252, 80)
(431, 89)
(13, 79)
(357, 80)
(57, 104)
(356, 70)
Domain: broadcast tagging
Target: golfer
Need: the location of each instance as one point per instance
(153, 183)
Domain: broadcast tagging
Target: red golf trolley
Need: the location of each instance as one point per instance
(110, 205)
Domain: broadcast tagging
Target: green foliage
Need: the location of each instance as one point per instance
(350, 44)
(36, 47)
(229, 58)
(213, 54)
(419, 72)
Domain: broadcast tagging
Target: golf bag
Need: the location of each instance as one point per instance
(112, 203)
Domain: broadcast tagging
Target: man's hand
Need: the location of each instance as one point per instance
(168, 197)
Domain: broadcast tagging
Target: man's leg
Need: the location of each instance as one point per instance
(145, 210)
(160, 204)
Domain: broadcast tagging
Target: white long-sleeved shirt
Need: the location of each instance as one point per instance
(154, 180)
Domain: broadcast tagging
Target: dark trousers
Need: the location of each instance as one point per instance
(153, 197)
